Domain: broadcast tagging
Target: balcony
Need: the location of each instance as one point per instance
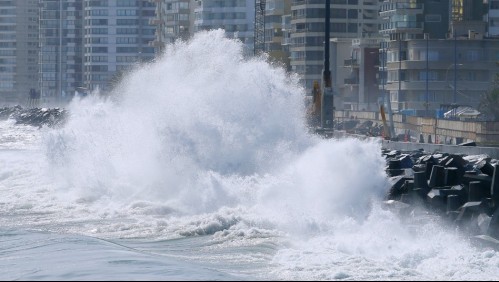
(402, 26)
(351, 63)
(304, 2)
(155, 21)
(156, 44)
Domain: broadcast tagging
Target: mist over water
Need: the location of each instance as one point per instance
(204, 142)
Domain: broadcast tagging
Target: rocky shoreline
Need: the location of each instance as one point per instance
(462, 190)
(38, 117)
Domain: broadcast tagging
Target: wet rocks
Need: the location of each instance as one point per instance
(35, 116)
(463, 190)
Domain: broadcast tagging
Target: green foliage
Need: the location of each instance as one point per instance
(489, 105)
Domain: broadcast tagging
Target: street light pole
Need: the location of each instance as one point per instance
(455, 81)
(455, 78)
(327, 104)
(455, 68)
(427, 36)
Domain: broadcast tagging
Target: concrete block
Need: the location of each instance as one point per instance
(476, 192)
(436, 200)
(485, 167)
(494, 186)
(419, 167)
(437, 176)
(394, 164)
(486, 241)
(398, 207)
(461, 192)
(453, 203)
(468, 144)
(405, 161)
(420, 180)
(451, 176)
(483, 222)
(494, 225)
(397, 187)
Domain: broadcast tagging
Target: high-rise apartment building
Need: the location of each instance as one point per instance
(276, 13)
(436, 54)
(117, 36)
(174, 20)
(60, 57)
(349, 19)
(236, 17)
(492, 18)
(18, 50)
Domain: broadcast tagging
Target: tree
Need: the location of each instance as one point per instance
(489, 104)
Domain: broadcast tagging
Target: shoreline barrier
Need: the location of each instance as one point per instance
(492, 152)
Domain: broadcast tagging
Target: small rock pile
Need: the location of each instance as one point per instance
(35, 116)
(464, 190)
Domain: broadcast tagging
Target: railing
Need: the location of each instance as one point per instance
(385, 7)
(351, 81)
(303, 2)
(401, 24)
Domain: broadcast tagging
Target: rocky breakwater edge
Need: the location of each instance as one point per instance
(37, 117)
(461, 190)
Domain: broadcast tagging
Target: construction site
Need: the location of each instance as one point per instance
(418, 129)
(450, 124)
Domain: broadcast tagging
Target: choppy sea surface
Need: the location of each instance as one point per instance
(199, 167)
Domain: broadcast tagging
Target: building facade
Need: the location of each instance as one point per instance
(18, 50)
(174, 20)
(349, 19)
(437, 55)
(236, 17)
(276, 13)
(60, 57)
(117, 36)
(360, 88)
(492, 18)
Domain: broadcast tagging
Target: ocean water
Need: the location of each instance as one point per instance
(199, 167)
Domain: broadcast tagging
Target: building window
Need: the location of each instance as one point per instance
(432, 75)
(473, 55)
(433, 18)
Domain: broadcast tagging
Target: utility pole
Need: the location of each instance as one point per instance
(327, 111)
(455, 68)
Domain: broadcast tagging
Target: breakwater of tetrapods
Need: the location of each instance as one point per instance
(462, 189)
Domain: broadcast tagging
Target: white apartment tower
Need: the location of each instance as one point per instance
(236, 17)
(117, 36)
